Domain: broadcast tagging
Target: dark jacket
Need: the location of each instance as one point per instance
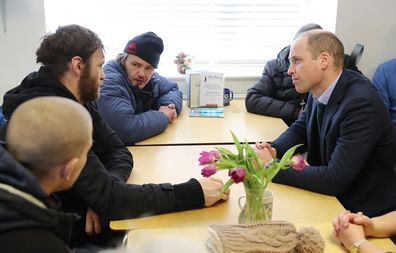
(274, 93)
(29, 223)
(101, 184)
(131, 112)
(354, 156)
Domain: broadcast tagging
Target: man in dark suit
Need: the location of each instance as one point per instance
(274, 93)
(351, 145)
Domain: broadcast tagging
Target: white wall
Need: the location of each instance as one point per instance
(20, 36)
(371, 23)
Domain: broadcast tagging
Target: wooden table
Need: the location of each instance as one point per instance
(176, 164)
(195, 130)
(193, 239)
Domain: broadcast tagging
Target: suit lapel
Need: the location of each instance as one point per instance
(312, 134)
(332, 106)
(316, 138)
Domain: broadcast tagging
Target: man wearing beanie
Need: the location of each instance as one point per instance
(274, 93)
(136, 101)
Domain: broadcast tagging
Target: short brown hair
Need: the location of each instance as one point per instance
(57, 49)
(45, 132)
(319, 41)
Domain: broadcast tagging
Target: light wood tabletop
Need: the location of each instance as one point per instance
(197, 130)
(193, 239)
(176, 164)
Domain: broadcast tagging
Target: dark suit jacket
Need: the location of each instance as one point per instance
(354, 156)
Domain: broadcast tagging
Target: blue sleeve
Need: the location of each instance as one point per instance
(380, 83)
(116, 106)
(168, 92)
(2, 119)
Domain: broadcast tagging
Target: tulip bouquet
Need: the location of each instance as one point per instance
(183, 62)
(245, 166)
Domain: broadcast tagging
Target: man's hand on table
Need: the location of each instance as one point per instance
(211, 187)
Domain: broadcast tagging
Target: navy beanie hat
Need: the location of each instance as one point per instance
(147, 46)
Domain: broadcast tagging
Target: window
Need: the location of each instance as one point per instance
(242, 33)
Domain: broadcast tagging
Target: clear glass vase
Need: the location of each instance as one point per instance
(257, 207)
(181, 68)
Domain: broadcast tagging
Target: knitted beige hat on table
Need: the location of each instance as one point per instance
(264, 237)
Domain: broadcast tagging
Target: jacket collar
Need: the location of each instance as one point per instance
(282, 59)
(26, 196)
(335, 99)
(25, 204)
(36, 84)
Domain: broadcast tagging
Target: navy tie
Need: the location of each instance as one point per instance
(320, 109)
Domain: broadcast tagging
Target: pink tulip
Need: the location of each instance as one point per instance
(208, 170)
(237, 174)
(297, 162)
(208, 157)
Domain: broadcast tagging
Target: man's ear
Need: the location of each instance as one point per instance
(77, 65)
(325, 60)
(123, 60)
(68, 168)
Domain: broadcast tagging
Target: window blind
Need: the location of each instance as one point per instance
(241, 32)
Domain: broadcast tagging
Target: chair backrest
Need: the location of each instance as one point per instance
(350, 61)
(357, 53)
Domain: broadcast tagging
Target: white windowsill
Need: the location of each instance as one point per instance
(231, 71)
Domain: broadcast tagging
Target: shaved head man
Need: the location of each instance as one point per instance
(48, 139)
(44, 136)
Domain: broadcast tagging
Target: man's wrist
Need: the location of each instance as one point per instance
(355, 247)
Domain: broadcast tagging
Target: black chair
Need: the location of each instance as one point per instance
(353, 59)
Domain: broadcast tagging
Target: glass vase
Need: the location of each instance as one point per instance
(257, 207)
(181, 69)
